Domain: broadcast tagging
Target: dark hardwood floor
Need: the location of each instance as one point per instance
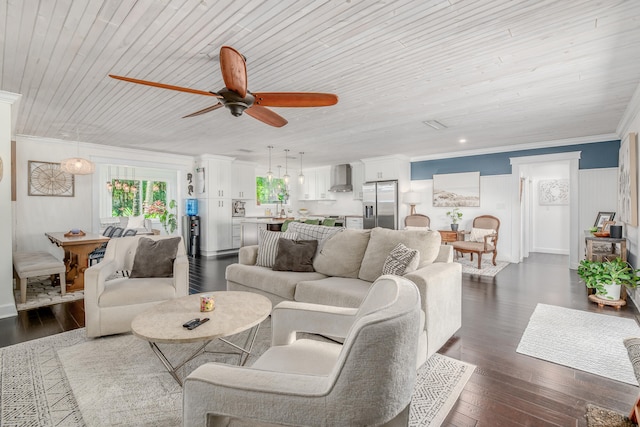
(507, 388)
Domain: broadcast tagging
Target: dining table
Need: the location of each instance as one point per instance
(76, 254)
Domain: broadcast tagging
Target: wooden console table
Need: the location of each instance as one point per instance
(590, 240)
(76, 255)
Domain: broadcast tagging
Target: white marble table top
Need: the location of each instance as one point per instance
(234, 312)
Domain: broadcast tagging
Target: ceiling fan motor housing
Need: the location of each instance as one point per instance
(234, 102)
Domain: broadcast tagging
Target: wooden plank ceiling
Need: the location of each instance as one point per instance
(496, 72)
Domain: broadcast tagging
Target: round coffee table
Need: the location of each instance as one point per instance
(234, 312)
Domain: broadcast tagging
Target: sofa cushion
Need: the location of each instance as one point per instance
(295, 255)
(281, 283)
(383, 240)
(154, 258)
(124, 291)
(401, 260)
(336, 291)
(342, 253)
(268, 246)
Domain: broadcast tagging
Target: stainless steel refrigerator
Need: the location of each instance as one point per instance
(380, 204)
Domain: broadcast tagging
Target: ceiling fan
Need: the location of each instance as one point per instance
(238, 99)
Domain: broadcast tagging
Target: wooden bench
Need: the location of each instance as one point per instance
(32, 264)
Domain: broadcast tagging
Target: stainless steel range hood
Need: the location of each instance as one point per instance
(341, 179)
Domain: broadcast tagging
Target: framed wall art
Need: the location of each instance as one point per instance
(456, 190)
(553, 192)
(48, 179)
(627, 181)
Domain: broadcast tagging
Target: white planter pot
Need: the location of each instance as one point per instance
(612, 292)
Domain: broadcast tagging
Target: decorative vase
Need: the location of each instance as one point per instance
(454, 227)
(612, 292)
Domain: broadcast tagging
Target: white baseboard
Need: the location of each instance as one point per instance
(8, 310)
(553, 251)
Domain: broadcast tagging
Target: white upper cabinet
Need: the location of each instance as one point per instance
(357, 178)
(243, 180)
(214, 174)
(387, 168)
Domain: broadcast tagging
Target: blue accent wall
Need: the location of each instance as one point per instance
(593, 156)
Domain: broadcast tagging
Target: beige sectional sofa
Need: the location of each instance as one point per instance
(349, 261)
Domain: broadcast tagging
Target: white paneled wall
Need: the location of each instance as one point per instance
(597, 194)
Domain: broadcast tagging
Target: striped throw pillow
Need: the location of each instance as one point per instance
(401, 260)
(268, 246)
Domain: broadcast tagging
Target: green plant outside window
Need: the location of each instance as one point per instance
(271, 192)
(135, 197)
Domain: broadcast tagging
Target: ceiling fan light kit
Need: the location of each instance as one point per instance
(236, 97)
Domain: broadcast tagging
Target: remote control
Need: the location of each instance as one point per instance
(191, 327)
(191, 322)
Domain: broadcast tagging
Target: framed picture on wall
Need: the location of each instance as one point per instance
(602, 218)
(627, 180)
(48, 179)
(456, 189)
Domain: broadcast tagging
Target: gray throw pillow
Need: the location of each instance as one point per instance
(154, 258)
(268, 246)
(401, 260)
(295, 255)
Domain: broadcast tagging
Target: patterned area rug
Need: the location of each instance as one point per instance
(601, 417)
(41, 292)
(69, 380)
(590, 342)
(488, 269)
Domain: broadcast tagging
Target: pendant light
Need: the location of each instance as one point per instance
(301, 176)
(77, 165)
(286, 169)
(269, 173)
(109, 184)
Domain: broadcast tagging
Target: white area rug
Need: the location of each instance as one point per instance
(488, 269)
(41, 292)
(590, 342)
(69, 380)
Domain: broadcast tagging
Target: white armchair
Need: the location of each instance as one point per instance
(368, 380)
(112, 300)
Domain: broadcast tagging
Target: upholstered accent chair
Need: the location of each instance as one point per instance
(417, 220)
(112, 299)
(368, 380)
(483, 239)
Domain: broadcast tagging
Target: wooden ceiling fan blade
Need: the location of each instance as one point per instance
(266, 116)
(295, 99)
(164, 86)
(234, 70)
(204, 110)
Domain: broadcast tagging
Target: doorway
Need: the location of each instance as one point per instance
(532, 218)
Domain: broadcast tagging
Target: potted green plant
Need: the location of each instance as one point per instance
(455, 216)
(168, 219)
(607, 277)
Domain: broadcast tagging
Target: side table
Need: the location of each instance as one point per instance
(448, 236)
(591, 255)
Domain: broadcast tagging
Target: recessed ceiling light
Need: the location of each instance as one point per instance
(462, 140)
(434, 124)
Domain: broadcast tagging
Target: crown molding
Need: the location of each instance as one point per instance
(520, 147)
(631, 112)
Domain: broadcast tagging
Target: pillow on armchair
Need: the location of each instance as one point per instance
(478, 234)
(154, 258)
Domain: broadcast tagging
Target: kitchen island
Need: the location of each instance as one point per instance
(252, 225)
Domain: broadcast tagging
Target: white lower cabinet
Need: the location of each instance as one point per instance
(216, 225)
(354, 223)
